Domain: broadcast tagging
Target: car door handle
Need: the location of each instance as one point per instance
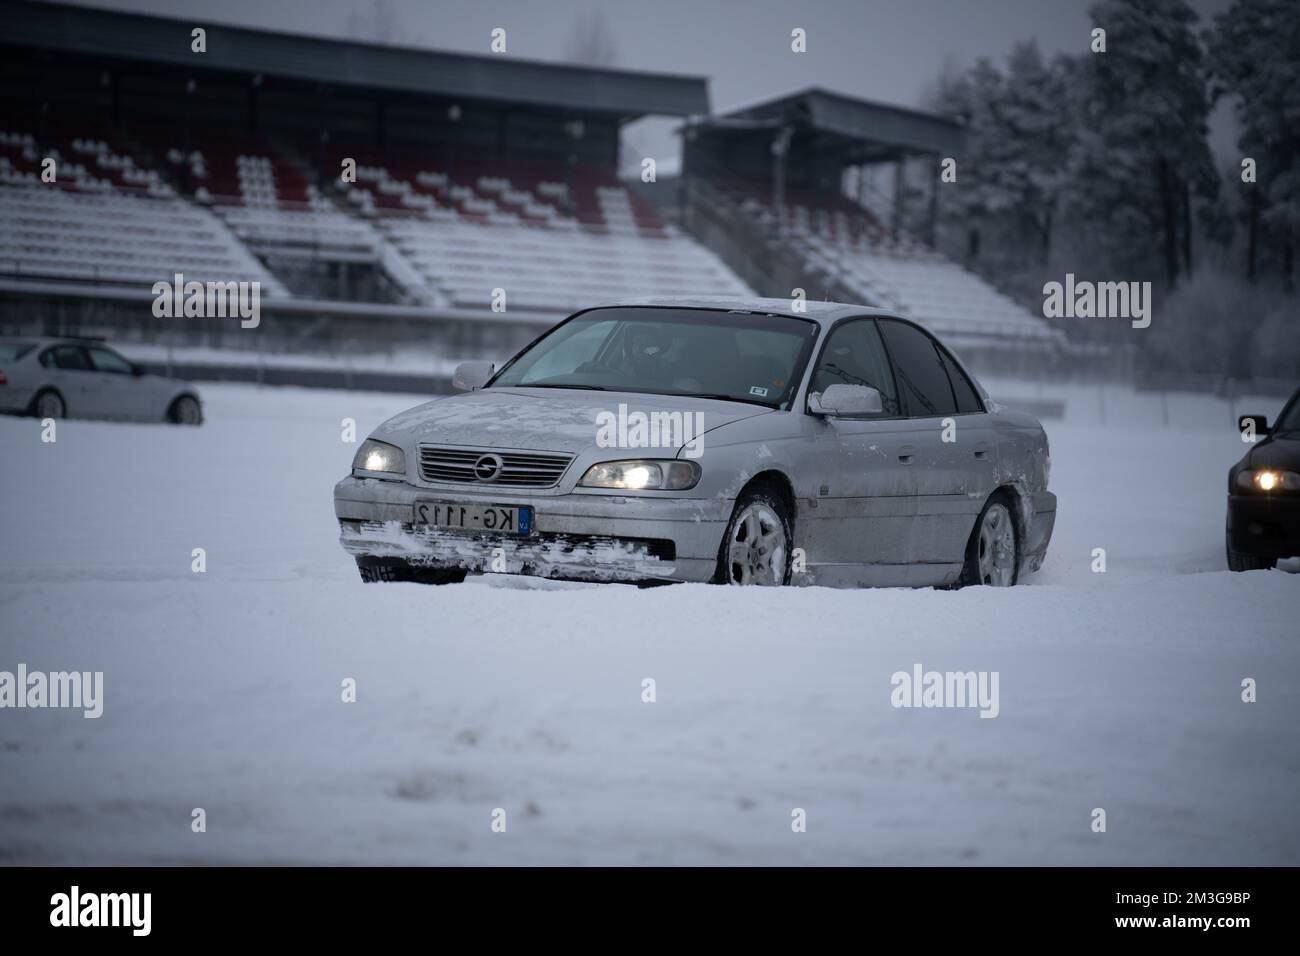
(981, 453)
(905, 454)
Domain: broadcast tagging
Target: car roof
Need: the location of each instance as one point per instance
(824, 313)
(43, 340)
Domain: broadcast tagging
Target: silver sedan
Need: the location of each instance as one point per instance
(84, 378)
(733, 441)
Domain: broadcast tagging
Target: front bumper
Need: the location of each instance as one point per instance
(575, 536)
(1038, 518)
(1264, 525)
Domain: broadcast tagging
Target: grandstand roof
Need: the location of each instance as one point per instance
(843, 120)
(138, 38)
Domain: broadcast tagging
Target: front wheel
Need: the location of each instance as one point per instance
(993, 552)
(1237, 561)
(756, 547)
(186, 411)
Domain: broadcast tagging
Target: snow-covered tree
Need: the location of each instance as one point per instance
(1018, 136)
(1255, 59)
(1142, 156)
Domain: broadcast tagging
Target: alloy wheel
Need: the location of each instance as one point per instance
(756, 553)
(997, 544)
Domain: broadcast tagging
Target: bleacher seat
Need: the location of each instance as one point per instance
(115, 238)
(555, 269)
(477, 224)
(555, 238)
(107, 220)
(891, 270)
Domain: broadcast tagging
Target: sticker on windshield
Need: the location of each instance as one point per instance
(756, 390)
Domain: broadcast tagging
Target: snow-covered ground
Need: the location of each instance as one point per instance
(1119, 690)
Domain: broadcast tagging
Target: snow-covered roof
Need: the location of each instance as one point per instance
(822, 312)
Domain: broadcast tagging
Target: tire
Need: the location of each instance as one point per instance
(185, 410)
(1237, 561)
(390, 573)
(49, 404)
(761, 515)
(996, 533)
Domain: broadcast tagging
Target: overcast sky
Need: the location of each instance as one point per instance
(887, 50)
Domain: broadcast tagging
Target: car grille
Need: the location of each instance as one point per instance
(518, 469)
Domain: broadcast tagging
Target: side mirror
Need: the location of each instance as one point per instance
(471, 375)
(846, 401)
(1252, 426)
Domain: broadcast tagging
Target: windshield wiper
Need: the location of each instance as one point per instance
(589, 388)
(719, 396)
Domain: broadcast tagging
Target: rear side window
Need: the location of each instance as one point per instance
(854, 355)
(968, 399)
(13, 351)
(923, 382)
(66, 357)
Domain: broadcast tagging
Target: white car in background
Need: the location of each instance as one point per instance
(84, 378)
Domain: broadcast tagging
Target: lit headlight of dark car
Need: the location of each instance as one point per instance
(1267, 480)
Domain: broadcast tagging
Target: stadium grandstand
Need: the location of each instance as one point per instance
(472, 174)
(787, 190)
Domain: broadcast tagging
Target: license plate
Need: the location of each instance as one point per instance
(510, 519)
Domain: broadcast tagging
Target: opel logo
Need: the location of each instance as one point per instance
(488, 468)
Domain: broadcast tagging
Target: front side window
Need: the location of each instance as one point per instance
(922, 379)
(854, 355)
(106, 361)
(735, 356)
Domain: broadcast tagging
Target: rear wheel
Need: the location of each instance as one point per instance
(1237, 561)
(993, 552)
(49, 404)
(756, 547)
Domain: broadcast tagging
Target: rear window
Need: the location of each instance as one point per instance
(922, 380)
(13, 351)
(967, 399)
(67, 357)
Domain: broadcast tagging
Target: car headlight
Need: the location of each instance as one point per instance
(1268, 479)
(642, 475)
(378, 458)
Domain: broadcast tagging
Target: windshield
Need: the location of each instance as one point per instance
(699, 352)
(1290, 419)
(13, 351)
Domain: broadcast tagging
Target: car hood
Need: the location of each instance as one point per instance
(1277, 451)
(543, 419)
